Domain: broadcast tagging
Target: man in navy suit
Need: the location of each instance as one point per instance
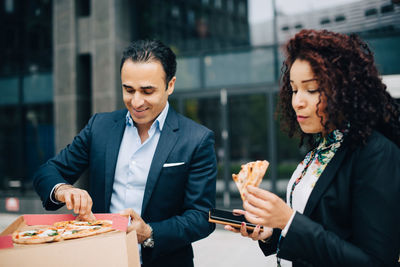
(147, 161)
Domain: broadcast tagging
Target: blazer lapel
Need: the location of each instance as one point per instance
(167, 141)
(111, 156)
(325, 179)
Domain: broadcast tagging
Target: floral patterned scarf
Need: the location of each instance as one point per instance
(317, 159)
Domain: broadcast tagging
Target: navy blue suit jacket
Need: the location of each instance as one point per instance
(176, 199)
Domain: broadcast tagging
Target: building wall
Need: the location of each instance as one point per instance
(90, 44)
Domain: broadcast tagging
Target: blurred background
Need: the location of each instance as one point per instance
(60, 65)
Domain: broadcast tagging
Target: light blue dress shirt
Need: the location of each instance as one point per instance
(133, 164)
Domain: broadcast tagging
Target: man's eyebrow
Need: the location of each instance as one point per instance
(141, 87)
(147, 87)
(126, 86)
(306, 81)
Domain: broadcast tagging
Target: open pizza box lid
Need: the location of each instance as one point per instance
(114, 248)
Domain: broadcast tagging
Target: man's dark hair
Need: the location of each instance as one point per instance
(151, 50)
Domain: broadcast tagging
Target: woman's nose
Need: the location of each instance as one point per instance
(298, 100)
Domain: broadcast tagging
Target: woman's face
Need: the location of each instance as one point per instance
(305, 97)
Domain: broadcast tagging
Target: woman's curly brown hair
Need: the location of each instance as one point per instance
(356, 98)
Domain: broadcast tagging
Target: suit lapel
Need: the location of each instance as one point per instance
(111, 156)
(168, 138)
(325, 179)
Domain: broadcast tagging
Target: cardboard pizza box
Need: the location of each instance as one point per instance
(114, 248)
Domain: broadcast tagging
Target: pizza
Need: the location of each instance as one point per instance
(61, 231)
(251, 173)
(37, 236)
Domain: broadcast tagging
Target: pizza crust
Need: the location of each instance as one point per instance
(251, 173)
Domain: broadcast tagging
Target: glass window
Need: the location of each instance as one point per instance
(247, 128)
(371, 12)
(325, 21)
(387, 8)
(188, 73)
(249, 67)
(298, 26)
(9, 6)
(340, 18)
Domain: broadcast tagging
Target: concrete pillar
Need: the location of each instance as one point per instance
(87, 46)
(64, 71)
(111, 26)
(102, 35)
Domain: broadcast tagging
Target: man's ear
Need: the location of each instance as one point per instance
(171, 85)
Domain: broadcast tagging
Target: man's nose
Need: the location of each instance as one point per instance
(137, 99)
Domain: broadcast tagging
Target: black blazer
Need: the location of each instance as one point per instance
(176, 199)
(352, 217)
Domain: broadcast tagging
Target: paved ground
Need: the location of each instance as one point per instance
(221, 249)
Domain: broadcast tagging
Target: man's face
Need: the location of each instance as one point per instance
(144, 91)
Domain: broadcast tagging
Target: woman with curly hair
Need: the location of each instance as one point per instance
(343, 199)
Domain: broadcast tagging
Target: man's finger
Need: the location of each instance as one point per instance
(83, 206)
(89, 206)
(68, 201)
(134, 215)
(77, 202)
(127, 213)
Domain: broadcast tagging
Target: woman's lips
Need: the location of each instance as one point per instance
(301, 118)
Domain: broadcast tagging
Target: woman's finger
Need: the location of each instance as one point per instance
(230, 228)
(251, 209)
(243, 229)
(238, 212)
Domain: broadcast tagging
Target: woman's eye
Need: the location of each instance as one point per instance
(294, 91)
(313, 91)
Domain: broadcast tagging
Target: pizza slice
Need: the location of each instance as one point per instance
(37, 236)
(61, 231)
(103, 223)
(78, 229)
(251, 173)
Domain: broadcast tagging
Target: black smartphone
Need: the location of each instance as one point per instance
(229, 218)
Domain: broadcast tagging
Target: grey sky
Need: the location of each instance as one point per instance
(261, 10)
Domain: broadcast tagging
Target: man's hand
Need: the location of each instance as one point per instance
(143, 230)
(265, 208)
(75, 198)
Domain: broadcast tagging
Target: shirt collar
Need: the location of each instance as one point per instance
(160, 120)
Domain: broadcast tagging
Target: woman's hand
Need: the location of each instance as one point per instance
(257, 234)
(265, 208)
